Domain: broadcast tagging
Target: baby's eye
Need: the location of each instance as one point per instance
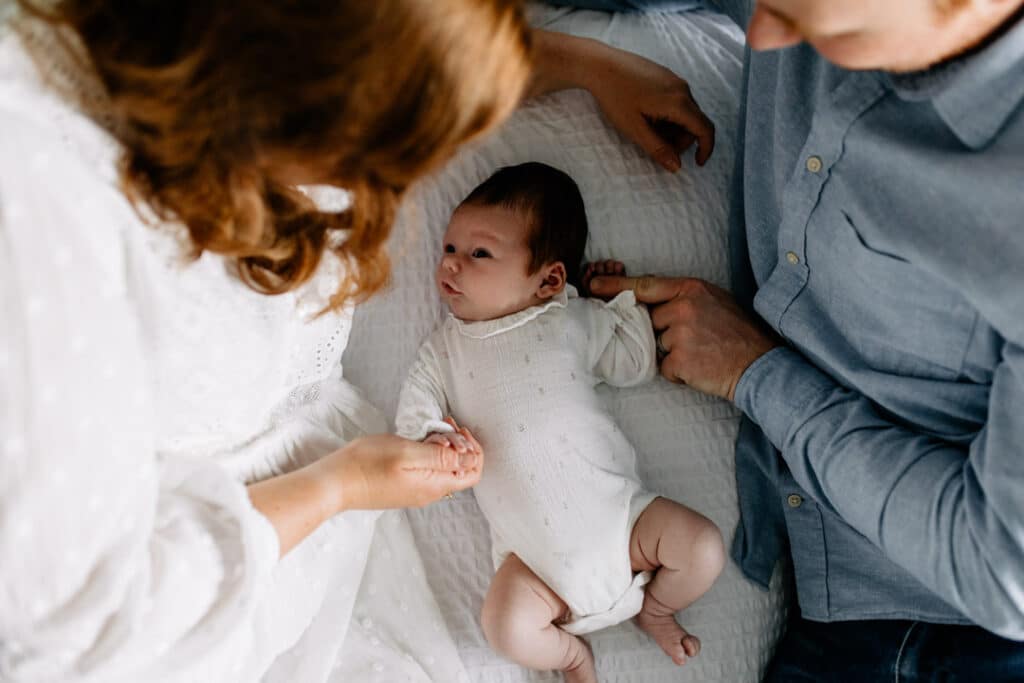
(449, 248)
(481, 253)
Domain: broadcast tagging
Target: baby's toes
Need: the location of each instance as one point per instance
(691, 645)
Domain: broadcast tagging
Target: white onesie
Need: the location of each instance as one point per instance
(559, 485)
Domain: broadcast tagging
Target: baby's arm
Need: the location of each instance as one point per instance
(422, 404)
(621, 344)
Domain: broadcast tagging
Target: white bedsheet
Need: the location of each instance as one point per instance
(654, 222)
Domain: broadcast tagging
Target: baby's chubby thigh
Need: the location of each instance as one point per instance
(518, 614)
(677, 540)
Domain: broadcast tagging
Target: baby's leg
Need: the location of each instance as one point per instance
(686, 551)
(517, 619)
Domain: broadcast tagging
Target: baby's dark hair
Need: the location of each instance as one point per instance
(551, 203)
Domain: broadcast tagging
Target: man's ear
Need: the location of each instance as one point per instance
(554, 280)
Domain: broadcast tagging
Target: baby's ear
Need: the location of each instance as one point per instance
(554, 280)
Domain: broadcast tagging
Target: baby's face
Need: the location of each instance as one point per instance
(483, 271)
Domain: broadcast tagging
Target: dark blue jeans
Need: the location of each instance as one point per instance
(897, 651)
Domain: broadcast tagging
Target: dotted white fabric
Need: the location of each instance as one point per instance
(137, 391)
(656, 223)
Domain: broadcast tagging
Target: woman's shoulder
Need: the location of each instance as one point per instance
(48, 94)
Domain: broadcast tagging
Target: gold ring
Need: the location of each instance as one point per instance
(449, 495)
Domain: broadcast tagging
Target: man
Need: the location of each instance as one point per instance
(877, 349)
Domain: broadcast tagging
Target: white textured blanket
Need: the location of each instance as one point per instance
(654, 222)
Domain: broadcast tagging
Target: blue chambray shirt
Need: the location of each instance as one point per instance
(882, 220)
(878, 227)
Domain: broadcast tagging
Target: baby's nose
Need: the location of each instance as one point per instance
(450, 262)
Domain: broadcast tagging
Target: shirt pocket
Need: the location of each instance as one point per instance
(899, 317)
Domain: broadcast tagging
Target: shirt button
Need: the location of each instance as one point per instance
(792, 257)
(814, 164)
(794, 500)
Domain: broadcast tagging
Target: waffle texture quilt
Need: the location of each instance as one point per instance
(654, 222)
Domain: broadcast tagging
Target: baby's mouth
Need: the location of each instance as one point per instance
(448, 289)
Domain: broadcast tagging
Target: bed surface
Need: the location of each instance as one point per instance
(653, 221)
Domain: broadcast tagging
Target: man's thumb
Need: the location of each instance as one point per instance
(648, 289)
(608, 285)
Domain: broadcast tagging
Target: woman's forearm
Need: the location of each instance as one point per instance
(295, 503)
(562, 61)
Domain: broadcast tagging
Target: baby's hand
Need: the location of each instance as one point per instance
(461, 441)
(596, 268)
(452, 440)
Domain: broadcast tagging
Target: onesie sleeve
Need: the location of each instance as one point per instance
(620, 340)
(422, 404)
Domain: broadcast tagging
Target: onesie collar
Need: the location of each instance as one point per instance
(482, 329)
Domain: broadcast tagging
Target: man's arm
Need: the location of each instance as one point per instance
(952, 516)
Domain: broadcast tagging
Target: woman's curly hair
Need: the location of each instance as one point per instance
(225, 108)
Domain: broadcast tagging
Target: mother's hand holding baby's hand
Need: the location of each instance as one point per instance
(709, 341)
(386, 471)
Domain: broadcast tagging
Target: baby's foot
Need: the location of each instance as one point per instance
(669, 635)
(595, 268)
(582, 671)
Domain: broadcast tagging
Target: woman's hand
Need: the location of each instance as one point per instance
(706, 338)
(654, 108)
(646, 102)
(370, 473)
(387, 471)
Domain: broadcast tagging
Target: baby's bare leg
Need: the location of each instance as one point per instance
(517, 620)
(685, 550)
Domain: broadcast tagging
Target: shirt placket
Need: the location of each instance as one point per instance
(835, 114)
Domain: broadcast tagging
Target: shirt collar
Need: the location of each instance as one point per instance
(481, 329)
(975, 94)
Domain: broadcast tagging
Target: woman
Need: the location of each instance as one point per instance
(136, 395)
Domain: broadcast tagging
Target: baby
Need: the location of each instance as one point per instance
(578, 543)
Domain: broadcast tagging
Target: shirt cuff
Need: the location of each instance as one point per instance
(776, 389)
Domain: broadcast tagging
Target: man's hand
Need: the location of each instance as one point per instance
(708, 340)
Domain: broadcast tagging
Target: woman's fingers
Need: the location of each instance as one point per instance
(678, 124)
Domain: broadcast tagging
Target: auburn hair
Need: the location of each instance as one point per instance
(224, 108)
(551, 203)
